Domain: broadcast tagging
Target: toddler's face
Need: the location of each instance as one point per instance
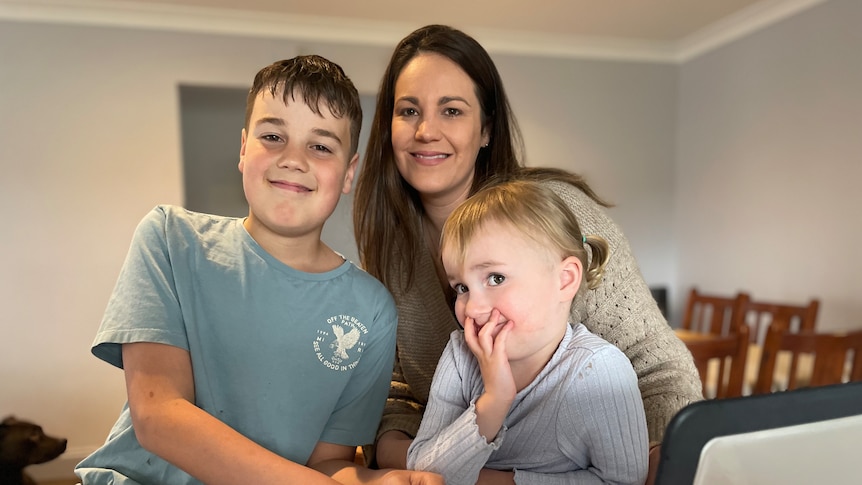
(507, 271)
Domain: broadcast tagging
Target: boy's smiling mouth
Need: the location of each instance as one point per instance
(290, 186)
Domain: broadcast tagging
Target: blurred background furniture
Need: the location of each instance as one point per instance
(720, 361)
(811, 360)
(854, 355)
(720, 319)
(659, 294)
(714, 314)
(760, 315)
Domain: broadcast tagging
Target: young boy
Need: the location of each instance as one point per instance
(253, 353)
(521, 392)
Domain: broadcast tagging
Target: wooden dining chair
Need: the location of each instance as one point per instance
(761, 315)
(853, 343)
(828, 352)
(720, 361)
(713, 314)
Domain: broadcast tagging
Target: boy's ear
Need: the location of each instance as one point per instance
(242, 149)
(571, 272)
(351, 171)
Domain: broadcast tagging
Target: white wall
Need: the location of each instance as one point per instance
(769, 164)
(90, 141)
(614, 123)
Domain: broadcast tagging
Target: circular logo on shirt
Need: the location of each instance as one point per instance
(340, 342)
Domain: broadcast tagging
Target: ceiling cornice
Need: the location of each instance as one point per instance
(130, 14)
(748, 20)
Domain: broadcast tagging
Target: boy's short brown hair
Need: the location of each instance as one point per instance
(318, 81)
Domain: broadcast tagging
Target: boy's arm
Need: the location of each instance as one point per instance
(160, 387)
(160, 390)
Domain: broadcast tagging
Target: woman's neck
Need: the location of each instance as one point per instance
(438, 208)
(435, 217)
(431, 233)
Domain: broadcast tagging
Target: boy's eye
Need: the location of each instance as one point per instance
(271, 137)
(321, 148)
(496, 279)
(460, 288)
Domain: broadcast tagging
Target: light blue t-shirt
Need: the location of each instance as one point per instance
(284, 357)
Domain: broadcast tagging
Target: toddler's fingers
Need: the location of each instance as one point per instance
(470, 334)
(503, 337)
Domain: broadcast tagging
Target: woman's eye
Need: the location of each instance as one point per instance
(407, 112)
(496, 279)
(452, 112)
(459, 288)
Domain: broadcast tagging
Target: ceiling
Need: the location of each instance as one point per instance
(658, 30)
(661, 20)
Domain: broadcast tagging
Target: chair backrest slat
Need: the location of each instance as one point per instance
(827, 350)
(853, 343)
(761, 315)
(732, 347)
(712, 313)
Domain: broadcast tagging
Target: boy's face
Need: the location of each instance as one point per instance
(295, 165)
(529, 285)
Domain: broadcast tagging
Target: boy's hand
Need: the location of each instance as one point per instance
(488, 344)
(408, 477)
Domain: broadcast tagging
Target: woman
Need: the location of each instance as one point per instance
(442, 129)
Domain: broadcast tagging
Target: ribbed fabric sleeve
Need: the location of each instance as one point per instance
(580, 421)
(621, 310)
(458, 452)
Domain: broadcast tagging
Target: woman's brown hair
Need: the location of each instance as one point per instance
(386, 209)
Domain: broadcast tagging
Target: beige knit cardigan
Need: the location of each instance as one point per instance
(621, 310)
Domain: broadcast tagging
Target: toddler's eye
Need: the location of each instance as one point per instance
(496, 279)
(460, 288)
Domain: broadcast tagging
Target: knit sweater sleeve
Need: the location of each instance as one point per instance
(425, 322)
(622, 311)
(402, 411)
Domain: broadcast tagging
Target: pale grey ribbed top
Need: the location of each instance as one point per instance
(621, 310)
(580, 421)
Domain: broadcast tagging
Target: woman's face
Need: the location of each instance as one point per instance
(437, 129)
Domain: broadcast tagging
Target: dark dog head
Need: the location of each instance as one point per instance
(23, 443)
